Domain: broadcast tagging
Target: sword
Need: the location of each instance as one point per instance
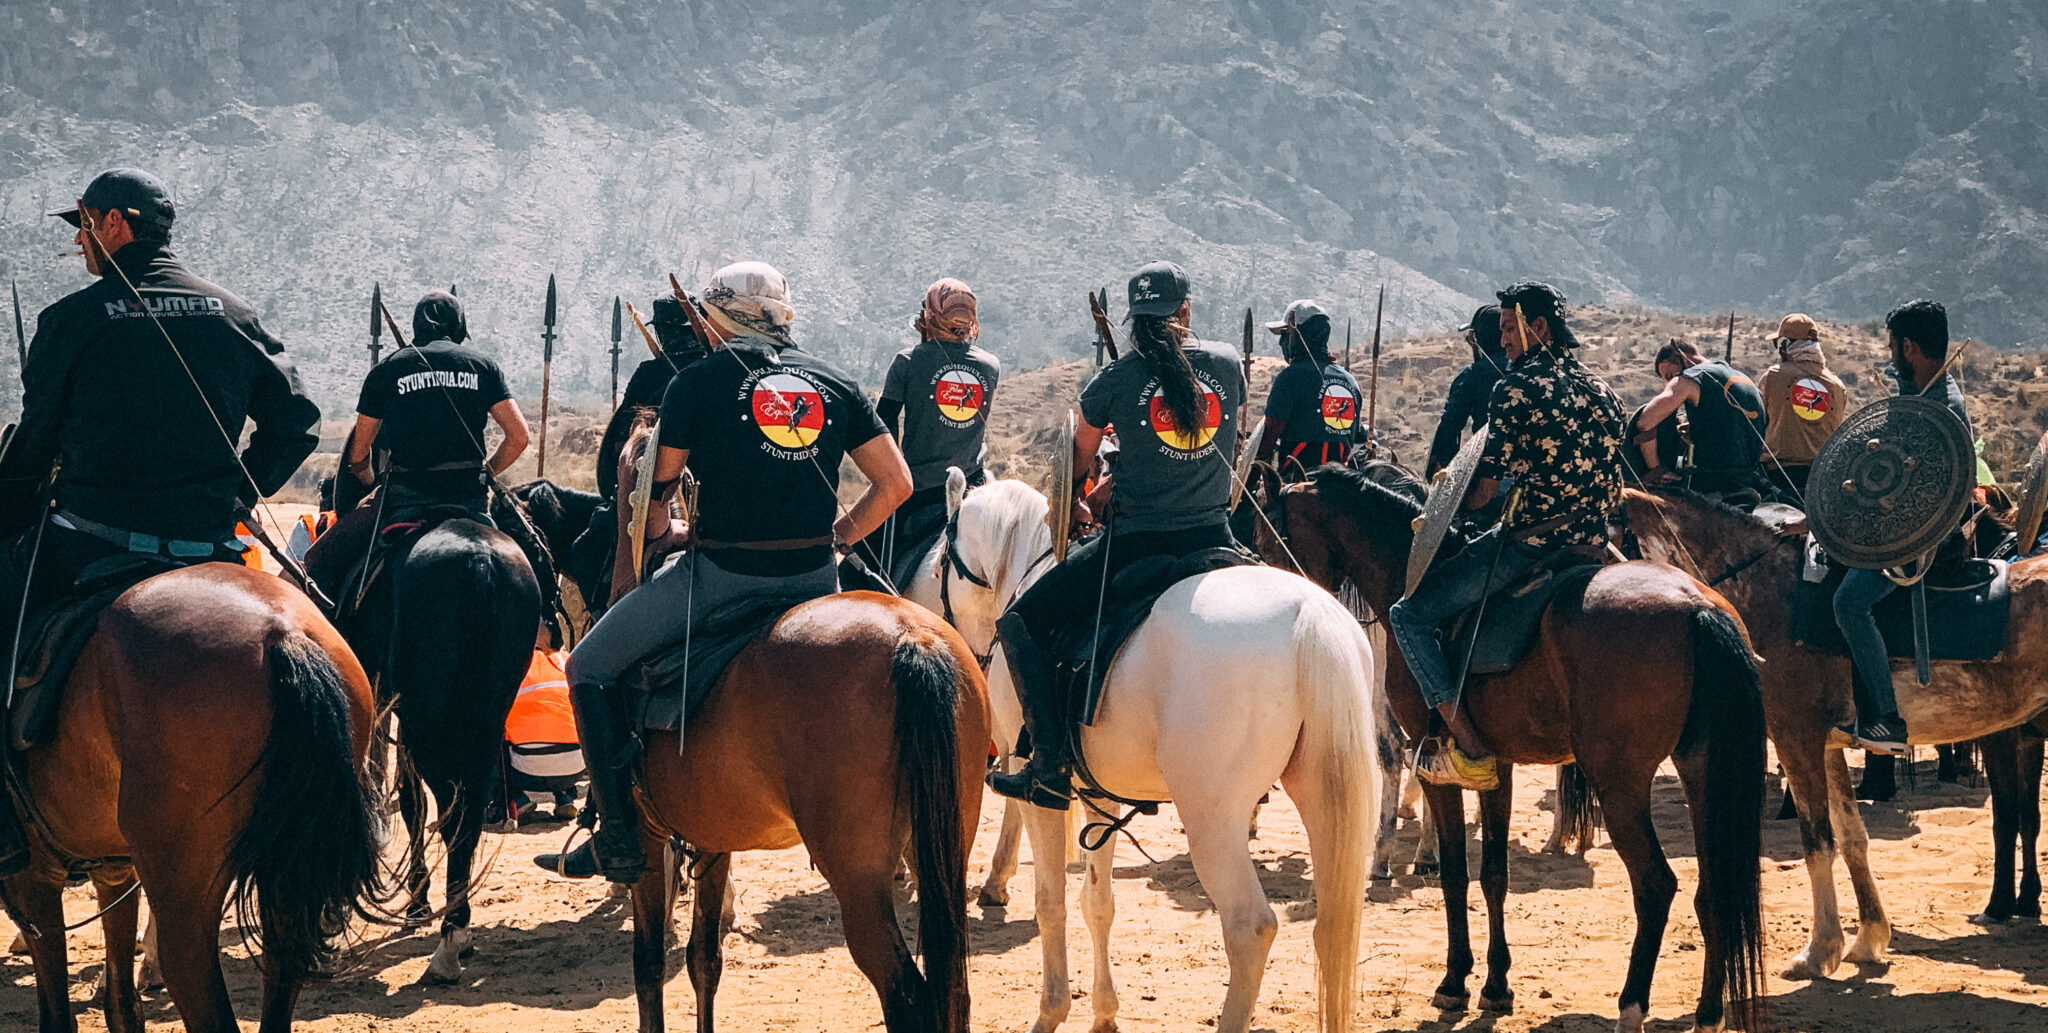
(20, 341)
(617, 333)
(377, 317)
(547, 370)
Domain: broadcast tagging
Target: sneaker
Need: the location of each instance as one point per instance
(1887, 734)
(1447, 766)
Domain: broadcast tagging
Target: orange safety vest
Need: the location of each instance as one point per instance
(252, 556)
(541, 713)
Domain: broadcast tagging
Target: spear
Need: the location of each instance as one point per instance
(397, 338)
(1347, 344)
(1247, 348)
(648, 336)
(1372, 409)
(547, 369)
(377, 322)
(1105, 339)
(1728, 350)
(20, 341)
(618, 332)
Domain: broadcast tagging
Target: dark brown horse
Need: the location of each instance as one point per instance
(856, 725)
(1807, 693)
(1685, 688)
(208, 744)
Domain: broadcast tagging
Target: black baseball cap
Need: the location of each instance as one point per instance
(135, 193)
(1485, 325)
(1158, 289)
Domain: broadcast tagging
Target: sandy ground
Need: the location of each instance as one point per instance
(554, 954)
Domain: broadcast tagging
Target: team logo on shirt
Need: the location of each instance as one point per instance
(959, 394)
(1340, 407)
(1811, 399)
(789, 409)
(1160, 419)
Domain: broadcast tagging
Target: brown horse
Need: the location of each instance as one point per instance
(856, 725)
(209, 744)
(1686, 688)
(1806, 694)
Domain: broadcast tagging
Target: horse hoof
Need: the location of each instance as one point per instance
(1449, 1002)
(1987, 919)
(1497, 1005)
(20, 944)
(1405, 812)
(1631, 1019)
(1103, 1026)
(991, 897)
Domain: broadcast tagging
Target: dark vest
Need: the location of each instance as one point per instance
(1727, 422)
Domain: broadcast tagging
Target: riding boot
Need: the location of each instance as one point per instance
(13, 841)
(1045, 780)
(609, 752)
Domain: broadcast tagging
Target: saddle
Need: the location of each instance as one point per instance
(52, 640)
(403, 527)
(676, 682)
(1969, 604)
(1504, 632)
(1126, 604)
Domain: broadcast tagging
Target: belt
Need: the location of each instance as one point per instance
(136, 541)
(772, 545)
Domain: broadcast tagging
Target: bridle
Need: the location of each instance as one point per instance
(952, 565)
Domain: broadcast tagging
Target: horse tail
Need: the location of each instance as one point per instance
(308, 858)
(1332, 662)
(1578, 815)
(928, 772)
(1728, 712)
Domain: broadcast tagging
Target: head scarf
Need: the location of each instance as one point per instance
(438, 317)
(1790, 349)
(949, 313)
(750, 298)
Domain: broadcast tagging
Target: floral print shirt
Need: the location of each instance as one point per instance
(1558, 431)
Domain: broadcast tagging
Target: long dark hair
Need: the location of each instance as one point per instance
(1158, 340)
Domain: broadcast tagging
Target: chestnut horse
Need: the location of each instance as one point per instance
(856, 724)
(1686, 688)
(1807, 693)
(208, 744)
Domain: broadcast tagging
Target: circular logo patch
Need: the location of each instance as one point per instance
(788, 409)
(1340, 407)
(958, 394)
(1811, 399)
(1160, 419)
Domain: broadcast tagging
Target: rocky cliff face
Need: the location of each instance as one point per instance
(1818, 154)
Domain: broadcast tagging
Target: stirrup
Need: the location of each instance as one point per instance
(1447, 766)
(1053, 794)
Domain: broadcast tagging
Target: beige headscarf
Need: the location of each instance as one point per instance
(949, 313)
(750, 298)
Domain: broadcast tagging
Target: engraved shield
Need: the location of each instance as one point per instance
(1446, 497)
(2033, 498)
(1060, 514)
(1891, 483)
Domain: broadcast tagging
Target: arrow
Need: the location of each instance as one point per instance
(547, 370)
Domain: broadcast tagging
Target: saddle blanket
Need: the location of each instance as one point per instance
(52, 640)
(676, 682)
(1968, 607)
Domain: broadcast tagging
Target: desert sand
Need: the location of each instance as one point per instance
(554, 955)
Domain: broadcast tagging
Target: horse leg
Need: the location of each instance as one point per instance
(186, 907)
(37, 908)
(1388, 754)
(1447, 805)
(1002, 864)
(1428, 859)
(1048, 831)
(1098, 910)
(152, 963)
(653, 914)
(1494, 995)
(1803, 756)
(1627, 806)
(2029, 902)
(1709, 1013)
(412, 806)
(2002, 767)
(867, 911)
(1224, 865)
(707, 935)
(462, 829)
(117, 927)
(1874, 930)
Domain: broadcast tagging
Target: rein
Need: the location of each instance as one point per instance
(1737, 568)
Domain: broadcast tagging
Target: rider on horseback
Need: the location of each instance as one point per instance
(425, 407)
(1173, 402)
(940, 388)
(1472, 389)
(1920, 349)
(1312, 413)
(1724, 418)
(762, 425)
(120, 397)
(1556, 431)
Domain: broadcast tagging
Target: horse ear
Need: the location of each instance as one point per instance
(956, 490)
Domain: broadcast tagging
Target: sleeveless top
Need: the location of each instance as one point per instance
(1728, 421)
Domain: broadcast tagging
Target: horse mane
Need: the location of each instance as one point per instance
(1015, 509)
(1377, 494)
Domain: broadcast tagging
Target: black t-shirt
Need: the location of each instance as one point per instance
(433, 401)
(766, 431)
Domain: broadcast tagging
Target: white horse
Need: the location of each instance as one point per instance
(1240, 678)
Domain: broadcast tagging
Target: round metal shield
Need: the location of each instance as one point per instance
(1241, 474)
(1446, 496)
(1891, 483)
(2033, 498)
(1059, 515)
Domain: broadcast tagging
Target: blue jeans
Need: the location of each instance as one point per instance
(688, 586)
(1861, 590)
(1451, 589)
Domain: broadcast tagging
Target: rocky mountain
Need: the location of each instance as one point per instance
(1828, 155)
